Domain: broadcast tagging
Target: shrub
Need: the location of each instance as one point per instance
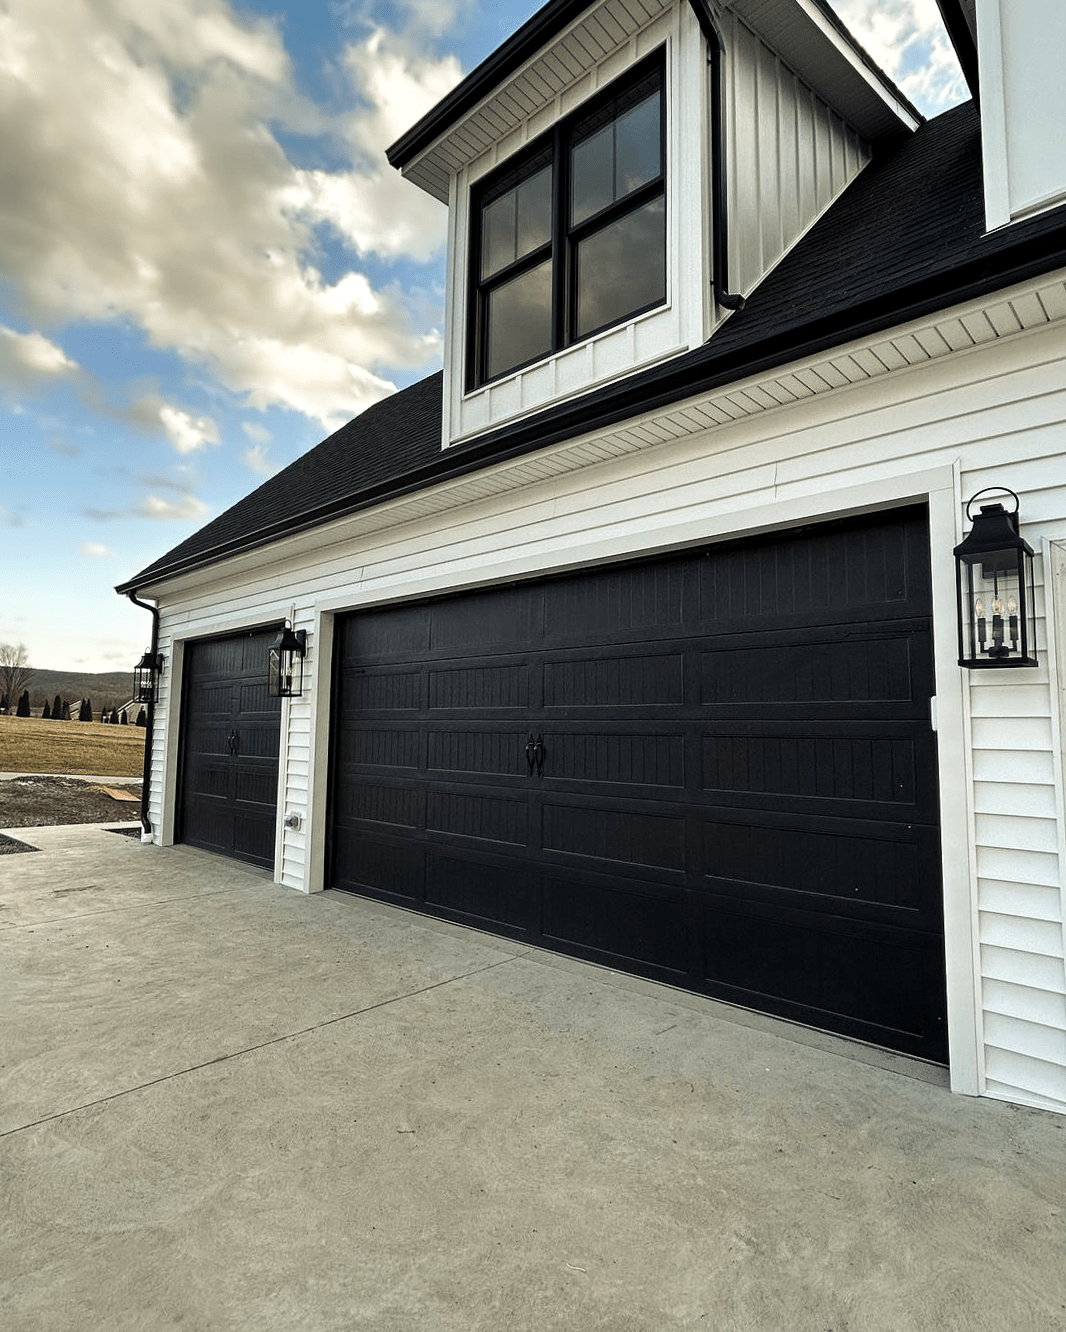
(24, 704)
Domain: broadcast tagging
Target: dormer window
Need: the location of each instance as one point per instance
(570, 239)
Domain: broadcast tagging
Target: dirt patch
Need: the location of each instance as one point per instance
(36, 802)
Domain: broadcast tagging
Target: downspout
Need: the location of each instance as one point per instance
(719, 219)
(146, 778)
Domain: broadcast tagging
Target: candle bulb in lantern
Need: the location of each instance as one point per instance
(997, 649)
(1012, 621)
(982, 623)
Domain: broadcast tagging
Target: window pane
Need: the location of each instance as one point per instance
(498, 234)
(637, 146)
(621, 268)
(519, 321)
(534, 212)
(592, 177)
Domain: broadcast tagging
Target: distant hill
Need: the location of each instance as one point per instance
(107, 689)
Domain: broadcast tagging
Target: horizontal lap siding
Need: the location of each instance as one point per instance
(998, 410)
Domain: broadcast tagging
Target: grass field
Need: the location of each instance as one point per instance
(28, 744)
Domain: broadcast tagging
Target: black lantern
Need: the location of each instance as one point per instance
(286, 663)
(994, 583)
(146, 676)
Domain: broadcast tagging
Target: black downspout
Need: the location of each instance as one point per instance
(146, 778)
(719, 219)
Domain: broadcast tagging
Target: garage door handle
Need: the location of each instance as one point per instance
(538, 755)
(234, 743)
(531, 753)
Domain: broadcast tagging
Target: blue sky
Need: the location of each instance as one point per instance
(206, 264)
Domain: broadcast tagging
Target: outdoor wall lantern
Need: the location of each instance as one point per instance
(994, 583)
(146, 677)
(286, 662)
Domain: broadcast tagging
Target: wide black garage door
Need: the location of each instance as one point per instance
(231, 736)
(715, 769)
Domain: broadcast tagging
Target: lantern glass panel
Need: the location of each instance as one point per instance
(996, 608)
(286, 664)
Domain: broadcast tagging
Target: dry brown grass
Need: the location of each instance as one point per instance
(28, 744)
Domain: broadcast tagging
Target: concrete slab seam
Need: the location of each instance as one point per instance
(262, 1045)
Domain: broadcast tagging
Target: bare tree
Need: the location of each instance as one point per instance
(15, 669)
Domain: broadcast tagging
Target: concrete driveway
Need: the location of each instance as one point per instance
(229, 1106)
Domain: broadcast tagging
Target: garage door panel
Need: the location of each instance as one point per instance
(619, 758)
(208, 780)
(871, 981)
(381, 691)
(480, 752)
(624, 836)
(615, 603)
(381, 747)
(498, 618)
(369, 802)
(860, 865)
(612, 920)
(485, 688)
(402, 633)
(829, 674)
(647, 680)
(833, 575)
(486, 818)
(483, 892)
(385, 867)
(866, 773)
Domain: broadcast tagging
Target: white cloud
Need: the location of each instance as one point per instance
(256, 459)
(27, 359)
(12, 517)
(143, 181)
(908, 40)
(186, 506)
(96, 550)
(185, 432)
(257, 432)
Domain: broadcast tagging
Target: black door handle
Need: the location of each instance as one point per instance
(531, 753)
(234, 743)
(538, 755)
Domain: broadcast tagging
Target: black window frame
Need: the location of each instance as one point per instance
(556, 146)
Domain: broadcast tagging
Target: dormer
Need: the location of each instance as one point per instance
(1011, 54)
(620, 174)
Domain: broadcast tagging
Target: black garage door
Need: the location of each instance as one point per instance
(715, 769)
(231, 735)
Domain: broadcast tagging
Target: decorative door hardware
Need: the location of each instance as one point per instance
(233, 741)
(535, 755)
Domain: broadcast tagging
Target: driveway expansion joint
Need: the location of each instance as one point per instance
(261, 1045)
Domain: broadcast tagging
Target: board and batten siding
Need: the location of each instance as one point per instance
(992, 414)
(789, 155)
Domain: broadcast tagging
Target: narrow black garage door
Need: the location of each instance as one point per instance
(716, 770)
(231, 735)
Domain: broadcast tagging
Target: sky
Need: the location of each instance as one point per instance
(207, 265)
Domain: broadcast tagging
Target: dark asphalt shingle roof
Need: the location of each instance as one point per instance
(904, 240)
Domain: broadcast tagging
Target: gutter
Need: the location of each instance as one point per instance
(719, 211)
(146, 777)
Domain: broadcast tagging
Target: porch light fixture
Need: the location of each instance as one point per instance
(146, 677)
(286, 663)
(994, 585)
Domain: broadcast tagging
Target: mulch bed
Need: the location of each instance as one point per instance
(9, 847)
(37, 802)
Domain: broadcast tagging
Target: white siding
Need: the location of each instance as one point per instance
(789, 155)
(943, 427)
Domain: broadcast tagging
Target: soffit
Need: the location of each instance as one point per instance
(806, 35)
(906, 347)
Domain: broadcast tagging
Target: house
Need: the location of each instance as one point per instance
(633, 632)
